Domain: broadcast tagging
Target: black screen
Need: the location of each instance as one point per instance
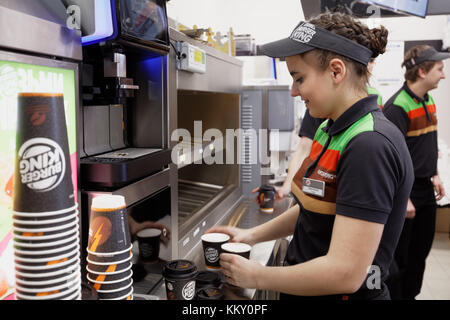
(145, 20)
(413, 7)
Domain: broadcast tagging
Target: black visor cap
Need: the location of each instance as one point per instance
(307, 37)
(430, 54)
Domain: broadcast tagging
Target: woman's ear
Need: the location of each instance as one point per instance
(338, 70)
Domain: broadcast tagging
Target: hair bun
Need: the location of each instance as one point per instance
(378, 40)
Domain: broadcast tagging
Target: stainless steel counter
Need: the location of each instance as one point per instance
(246, 215)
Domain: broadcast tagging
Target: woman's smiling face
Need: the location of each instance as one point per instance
(311, 84)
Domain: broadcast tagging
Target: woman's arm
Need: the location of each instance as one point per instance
(342, 270)
(279, 227)
(303, 149)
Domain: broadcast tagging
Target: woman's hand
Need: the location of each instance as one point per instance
(240, 271)
(236, 234)
(438, 187)
(280, 193)
(410, 210)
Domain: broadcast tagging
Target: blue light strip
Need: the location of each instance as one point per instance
(273, 69)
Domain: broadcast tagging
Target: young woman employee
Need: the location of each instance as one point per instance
(351, 190)
(307, 131)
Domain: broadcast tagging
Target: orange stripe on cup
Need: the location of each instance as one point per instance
(102, 277)
(56, 261)
(97, 237)
(107, 209)
(39, 94)
(261, 198)
(41, 294)
(32, 234)
(184, 266)
(211, 267)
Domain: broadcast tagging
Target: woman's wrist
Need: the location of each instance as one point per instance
(259, 277)
(253, 236)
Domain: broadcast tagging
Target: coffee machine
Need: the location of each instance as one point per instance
(120, 144)
(125, 120)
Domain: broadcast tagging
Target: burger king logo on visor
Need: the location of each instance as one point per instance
(41, 164)
(304, 32)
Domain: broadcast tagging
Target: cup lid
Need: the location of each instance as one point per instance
(149, 232)
(179, 269)
(205, 278)
(210, 293)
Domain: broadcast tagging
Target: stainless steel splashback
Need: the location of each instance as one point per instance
(207, 193)
(204, 185)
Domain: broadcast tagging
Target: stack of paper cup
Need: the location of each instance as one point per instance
(109, 249)
(45, 215)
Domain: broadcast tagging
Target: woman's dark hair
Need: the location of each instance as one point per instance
(413, 73)
(345, 25)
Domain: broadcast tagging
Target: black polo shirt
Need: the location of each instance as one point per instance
(309, 125)
(416, 119)
(368, 175)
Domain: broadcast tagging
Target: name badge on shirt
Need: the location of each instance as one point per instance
(313, 187)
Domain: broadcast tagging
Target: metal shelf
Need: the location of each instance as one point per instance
(192, 196)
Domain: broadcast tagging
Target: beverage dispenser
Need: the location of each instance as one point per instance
(125, 120)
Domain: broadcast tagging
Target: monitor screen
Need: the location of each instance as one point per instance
(412, 7)
(145, 20)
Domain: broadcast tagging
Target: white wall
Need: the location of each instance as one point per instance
(414, 29)
(268, 20)
(265, 20)
(441, 97)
